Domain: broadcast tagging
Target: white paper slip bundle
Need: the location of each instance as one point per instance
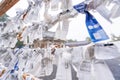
(107, 8)
(107, 51)
(27, 76)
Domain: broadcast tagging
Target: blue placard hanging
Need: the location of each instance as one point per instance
(16, 68)
(95, 30)
(80, 7)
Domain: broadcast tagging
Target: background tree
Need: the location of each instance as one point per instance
(88, 39)
(70, 40)
(4, 18)
(19, 44)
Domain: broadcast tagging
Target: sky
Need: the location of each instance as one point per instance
(77, 28)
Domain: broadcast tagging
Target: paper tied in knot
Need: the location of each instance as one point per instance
(81, 7)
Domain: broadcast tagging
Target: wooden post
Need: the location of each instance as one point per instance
(6, 5)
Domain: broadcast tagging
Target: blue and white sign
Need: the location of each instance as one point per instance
(80, 7)
(95, 30)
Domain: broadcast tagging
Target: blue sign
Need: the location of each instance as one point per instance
(16, 68)
(95, 30)
(80, 7)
